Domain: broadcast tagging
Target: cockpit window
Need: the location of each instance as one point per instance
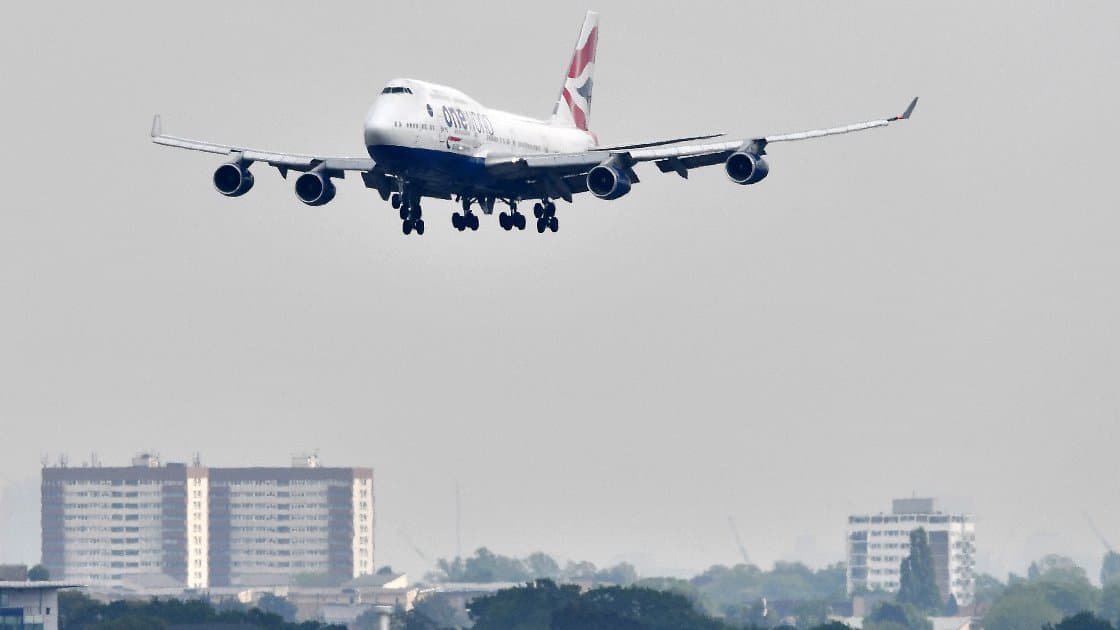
(396, 90)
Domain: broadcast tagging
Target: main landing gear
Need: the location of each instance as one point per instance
(546, 216)
(411, 213)
(466, 220)
(511, 219)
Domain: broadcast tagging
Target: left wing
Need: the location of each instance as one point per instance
(558, 171)
(282, 161)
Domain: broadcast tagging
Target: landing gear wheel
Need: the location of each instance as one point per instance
(554, 224)
(549, 209)
(420, 227)
(404, 213)
(406, 227)
(396, 201)
(542, 223)
(506, 221)
(519, 220)
(538, 211)
(473, 218)
(457, 221)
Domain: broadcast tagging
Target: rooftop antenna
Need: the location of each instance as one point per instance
(738, 540)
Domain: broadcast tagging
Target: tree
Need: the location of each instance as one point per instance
(1021, 607)
(918, 581)
(951, 606)
(988, 589)
(1110, 567)
(38, 573)
(631, 608)
(1110, 602)
(542, 565)
(528, 607)
(276, 605)
(1080, 621)
(896, 616)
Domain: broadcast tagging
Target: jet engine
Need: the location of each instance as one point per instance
(608, 182)
(233, 179)
(314, 188)
(746, 168)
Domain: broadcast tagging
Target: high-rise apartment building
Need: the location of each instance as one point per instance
(206, 526)
(878, 543)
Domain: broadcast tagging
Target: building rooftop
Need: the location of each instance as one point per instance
(29, 586)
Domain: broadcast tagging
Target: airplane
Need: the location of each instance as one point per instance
(429, 140)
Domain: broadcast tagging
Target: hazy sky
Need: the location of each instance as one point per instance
(930, 308)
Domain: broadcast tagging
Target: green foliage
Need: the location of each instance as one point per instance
(896, 616)
(270, 603)
(733, 588)
(487, 566)
(988, 589)
(38, 573)
(1080, 621)
(951, 606)
(1110, 602)
(1021, 607)
(79, 612)
(918, 581)
(544, 605)
(528, 607)
(1110, 567)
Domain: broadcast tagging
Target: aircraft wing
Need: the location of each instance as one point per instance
(282, 161)
(677, 158)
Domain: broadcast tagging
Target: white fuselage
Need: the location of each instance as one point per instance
(418, 128)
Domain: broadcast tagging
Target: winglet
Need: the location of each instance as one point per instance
(909, 110)
(157, 126)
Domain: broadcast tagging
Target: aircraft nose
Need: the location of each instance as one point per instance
(379, 126)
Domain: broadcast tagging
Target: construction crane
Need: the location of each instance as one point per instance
(738, 540)
(1100, 536)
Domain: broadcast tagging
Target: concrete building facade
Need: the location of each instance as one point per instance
(878, 543)
(206, 526)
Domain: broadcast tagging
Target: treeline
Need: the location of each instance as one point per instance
(730, 592)
(1054, 588)
(80, 612)
(544, 605)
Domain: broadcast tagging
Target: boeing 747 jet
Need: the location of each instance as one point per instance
(428, 140)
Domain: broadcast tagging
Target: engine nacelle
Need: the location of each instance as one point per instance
(314, 189)
(233, 179)
(746, 168)
(607, 182)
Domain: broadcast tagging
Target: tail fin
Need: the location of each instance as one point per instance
(573, 107)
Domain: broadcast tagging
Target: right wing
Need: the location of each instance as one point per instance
(561, 173)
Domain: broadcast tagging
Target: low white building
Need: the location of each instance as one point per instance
(30, 605)
(878, 543)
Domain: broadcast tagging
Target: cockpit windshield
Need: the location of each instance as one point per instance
(396, 90)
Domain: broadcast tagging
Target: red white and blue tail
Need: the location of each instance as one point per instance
(573, 108)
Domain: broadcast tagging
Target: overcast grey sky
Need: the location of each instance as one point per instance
(928, 308)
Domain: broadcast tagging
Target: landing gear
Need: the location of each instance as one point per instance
(512, 219)
(464, 221)
(546, 217)
(411, 216)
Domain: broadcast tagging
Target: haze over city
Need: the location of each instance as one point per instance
(927, 310)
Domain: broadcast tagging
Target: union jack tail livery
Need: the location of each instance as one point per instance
(573, 108)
